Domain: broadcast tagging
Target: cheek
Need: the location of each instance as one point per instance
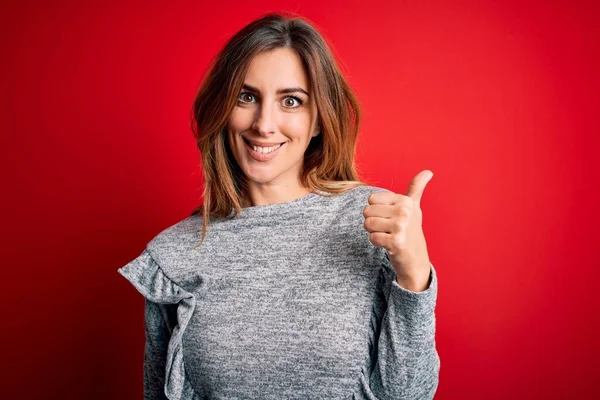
(299, 126)
(240, 120)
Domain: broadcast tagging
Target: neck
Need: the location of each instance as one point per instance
(273, 194)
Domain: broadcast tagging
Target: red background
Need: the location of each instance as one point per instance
(498, 99)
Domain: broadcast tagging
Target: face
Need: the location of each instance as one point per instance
(274, 120)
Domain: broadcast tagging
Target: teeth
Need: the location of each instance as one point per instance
(265, 149)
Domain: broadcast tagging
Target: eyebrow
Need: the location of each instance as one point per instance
(280, 91)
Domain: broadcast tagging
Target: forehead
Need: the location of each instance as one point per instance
(276, 69)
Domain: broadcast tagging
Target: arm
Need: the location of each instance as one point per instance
(155, 352)
(407, 363)
(168, 309)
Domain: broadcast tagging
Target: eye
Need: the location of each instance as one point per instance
(244, 97)
(292, 102)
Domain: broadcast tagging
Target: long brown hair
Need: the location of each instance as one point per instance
(328, 160)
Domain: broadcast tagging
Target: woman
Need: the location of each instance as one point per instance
(294, 279)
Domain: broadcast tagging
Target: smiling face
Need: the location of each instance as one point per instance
(275, 109)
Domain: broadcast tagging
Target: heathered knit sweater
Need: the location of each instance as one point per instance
(285, 301)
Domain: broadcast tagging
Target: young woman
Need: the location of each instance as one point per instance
(294, 279)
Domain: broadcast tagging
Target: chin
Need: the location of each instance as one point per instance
(258, 177)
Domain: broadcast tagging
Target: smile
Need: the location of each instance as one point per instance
(262, 153)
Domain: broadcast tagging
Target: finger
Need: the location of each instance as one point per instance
(380, 239)
(417, 185)
(386, 211)
(376, 224)
(388, 198)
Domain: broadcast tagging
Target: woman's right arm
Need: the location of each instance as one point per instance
(158, 333)
(168, 309)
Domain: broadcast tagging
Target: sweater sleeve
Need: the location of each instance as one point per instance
(168, 310)
(157, 335)
(406, 363)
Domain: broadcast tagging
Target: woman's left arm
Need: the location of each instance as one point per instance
(408, 364)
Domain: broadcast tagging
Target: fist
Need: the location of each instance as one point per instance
(394, 222)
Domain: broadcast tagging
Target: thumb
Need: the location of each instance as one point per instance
(417, 185)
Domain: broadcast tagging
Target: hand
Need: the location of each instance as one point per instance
(395, 223)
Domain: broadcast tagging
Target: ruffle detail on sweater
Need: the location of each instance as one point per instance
(148, 278)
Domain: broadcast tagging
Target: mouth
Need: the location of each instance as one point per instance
(262, 153)
(263, 149)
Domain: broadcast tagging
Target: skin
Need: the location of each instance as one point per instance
(395, 222)
(266, 116)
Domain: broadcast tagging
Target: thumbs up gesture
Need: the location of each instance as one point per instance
(394, 222)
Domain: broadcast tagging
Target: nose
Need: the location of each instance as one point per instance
(265, 120)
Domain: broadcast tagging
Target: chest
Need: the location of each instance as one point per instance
(305, 311)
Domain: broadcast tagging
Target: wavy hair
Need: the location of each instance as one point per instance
(329, 159)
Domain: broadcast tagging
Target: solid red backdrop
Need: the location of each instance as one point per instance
(498, 99)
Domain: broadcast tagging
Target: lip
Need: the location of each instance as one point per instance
(262, 156)
(262, 144)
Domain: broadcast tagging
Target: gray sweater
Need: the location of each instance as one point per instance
(284, 301)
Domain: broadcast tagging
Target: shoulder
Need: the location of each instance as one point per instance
(349, 206)
(359, 196)
(369, 189)
(176, 239)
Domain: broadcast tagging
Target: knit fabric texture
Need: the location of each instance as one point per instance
(284, 301)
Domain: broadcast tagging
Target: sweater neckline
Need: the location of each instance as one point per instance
(278, 208)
